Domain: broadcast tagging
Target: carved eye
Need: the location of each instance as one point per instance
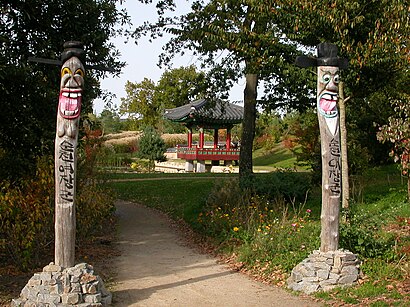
(79, 72)
(326, 78)
(65, 71)
(336, 79)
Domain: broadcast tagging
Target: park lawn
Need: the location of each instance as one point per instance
(278, 157)
(180, 197)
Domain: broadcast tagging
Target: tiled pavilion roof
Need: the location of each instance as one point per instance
(207, 113)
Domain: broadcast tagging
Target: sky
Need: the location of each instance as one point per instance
(141, 60)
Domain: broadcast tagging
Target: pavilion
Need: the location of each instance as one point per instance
(207, 114)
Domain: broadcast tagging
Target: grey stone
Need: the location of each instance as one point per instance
(106, 300)
(347, 279)
(296, 276)
(310, 288)
(328, 282)
(56, 289)
(52, 268)
(92, 298)
(296, 286)
(350, 270)
(70, 298)
(34, 282)
(45, 276)
(323, 274)
(75, 288)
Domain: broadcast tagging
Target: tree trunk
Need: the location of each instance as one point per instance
(343, 148)
(248, 127)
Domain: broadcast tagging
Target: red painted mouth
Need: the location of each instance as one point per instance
(69, 103)
(327, 104)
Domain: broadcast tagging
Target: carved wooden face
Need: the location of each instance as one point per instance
(328, 80)
(71, 88)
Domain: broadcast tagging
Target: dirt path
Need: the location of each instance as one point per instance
(156, 269)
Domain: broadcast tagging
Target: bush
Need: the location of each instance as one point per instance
(287, 184)
(27, 214)
(260, 230)
(26, 217)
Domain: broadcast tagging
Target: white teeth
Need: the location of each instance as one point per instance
(329, 97)
(70, 113)
(71, 94)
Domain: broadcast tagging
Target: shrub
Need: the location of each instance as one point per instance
(286, 184)
(260, 230)
(26, 216)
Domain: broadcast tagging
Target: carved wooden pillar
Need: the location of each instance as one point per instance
(68, 116)
(328, 65)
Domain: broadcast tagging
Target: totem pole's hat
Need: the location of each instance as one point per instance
(326, 56)
(73, 48)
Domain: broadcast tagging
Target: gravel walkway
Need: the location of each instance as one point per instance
(157, 269)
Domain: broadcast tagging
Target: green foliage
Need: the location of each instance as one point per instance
(146, 101)
(27, 215)
(263, 229)
(110, 122)
(151, 146)
(94, 209)
(287, 184)
(397, 132)
(38, 28)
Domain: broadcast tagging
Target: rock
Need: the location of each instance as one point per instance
(325, 271)
(57, 287)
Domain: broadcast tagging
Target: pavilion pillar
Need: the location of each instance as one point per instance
(189, 164)
(215, 138)
(200, 165)
(190, 137)
(228, 138)
(228, 145)
(201, 138)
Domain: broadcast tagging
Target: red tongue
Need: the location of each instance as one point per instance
(68, 104)
(327, 105)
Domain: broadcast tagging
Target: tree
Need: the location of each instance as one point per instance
(233, 39)
(373, 35)
(146, 101)
(110, 121)
(152, 147)
(30, 91)
(140, 102)
(397, 132)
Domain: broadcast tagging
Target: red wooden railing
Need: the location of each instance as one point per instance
(195, 153)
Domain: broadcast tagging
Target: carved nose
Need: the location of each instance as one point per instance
(332, 86)
(74, 82)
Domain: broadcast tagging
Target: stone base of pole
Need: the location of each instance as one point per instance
(323, 271)
(55, 286)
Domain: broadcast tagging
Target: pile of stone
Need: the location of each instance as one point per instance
(323, 271)
(55, 286)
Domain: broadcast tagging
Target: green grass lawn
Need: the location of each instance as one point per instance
(181, 198)
(278, 157)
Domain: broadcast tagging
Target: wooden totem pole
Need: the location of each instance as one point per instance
(328, 65)
(68, 117)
